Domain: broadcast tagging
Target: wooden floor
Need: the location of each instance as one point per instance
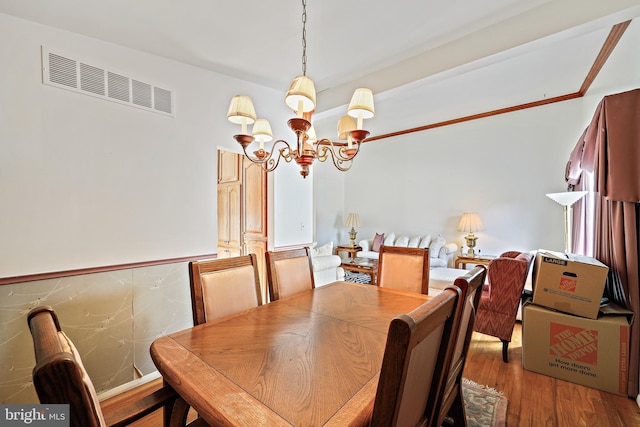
(534, 399)
(539, 400)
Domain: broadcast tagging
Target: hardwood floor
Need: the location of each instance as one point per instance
(539, 400)
(534, 399)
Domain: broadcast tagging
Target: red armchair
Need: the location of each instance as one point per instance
(498, 307)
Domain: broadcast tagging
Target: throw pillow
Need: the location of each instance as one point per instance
(436, 245)
(323, 250)
(377, 242)
(425, 242)
(414, 242)
(390, 239)
(402, 241)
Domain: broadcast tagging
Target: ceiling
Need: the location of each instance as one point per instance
(426, 60)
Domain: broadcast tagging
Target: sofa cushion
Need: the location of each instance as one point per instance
(324, 250)
(436, 262)
(414, 242)
(425, 242)
(377, 242)
(402, 241)
(325, 262)
(390, 239)
(435, 246)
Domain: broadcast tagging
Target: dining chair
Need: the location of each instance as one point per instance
(289, 272)
(501, 297)
(451, 403)
(406, 269)
(59, 377)
(417, 353)
(222, 287)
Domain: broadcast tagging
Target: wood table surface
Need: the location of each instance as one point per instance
(308, 360)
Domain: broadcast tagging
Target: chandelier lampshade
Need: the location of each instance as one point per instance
(241, 111)
(345, 125)
(301, 98)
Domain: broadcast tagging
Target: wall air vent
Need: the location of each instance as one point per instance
(64, 72)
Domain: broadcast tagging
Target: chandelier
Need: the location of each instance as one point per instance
(301, 98)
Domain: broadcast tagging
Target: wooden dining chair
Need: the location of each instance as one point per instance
(403, 268)
(451, 404)
(222, 287)
(418, 351)
(59, 377)
(289, 272)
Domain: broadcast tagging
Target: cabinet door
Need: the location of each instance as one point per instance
(229, 208)
(255, 216)
(228, 167)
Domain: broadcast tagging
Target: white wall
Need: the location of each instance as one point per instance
(86, 182)
(501, 167)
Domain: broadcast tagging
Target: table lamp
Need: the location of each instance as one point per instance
(567, 199)
(470, 222)
(353, 220)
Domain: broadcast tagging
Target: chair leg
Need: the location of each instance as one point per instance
(505, 351)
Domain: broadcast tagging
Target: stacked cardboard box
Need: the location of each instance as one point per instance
(567, 333)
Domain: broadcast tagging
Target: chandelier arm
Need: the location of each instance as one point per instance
(268, 163)
(340, 159)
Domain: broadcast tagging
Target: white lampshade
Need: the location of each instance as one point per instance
(470, 222)
(361, 105)
(241, 110)
(301, 94)
(353, 220)
(262, 131)
(345, 125)
(567, 198)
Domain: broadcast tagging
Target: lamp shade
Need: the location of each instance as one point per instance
(567, 198)
(241, 110)
(353, 220)
(301, 93)
(262, 130)
(470, 222)
(361, 104)
(345, 125)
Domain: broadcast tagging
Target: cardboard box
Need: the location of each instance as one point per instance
(594, 353)
(570, 283)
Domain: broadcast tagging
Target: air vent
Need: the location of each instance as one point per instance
(68, 73)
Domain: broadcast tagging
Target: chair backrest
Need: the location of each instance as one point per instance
(470, 286)
(405, 269)
(508, 275)
(416, 357)
(289, 272)
(222, 287)
(59, 376)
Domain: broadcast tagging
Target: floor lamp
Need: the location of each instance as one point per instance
(567, 199)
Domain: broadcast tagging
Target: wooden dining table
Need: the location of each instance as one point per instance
(312, 359)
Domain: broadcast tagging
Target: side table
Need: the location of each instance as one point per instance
(351, 250)
(473, 259)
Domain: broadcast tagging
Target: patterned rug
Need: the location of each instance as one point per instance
(484, 406)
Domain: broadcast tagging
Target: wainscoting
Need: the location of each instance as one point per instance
(112, 317)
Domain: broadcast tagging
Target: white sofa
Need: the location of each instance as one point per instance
(326, 265)
(441, 253)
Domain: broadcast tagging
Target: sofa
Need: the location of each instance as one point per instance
(326, 265)
(441, 253)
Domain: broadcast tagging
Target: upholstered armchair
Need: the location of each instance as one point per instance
(496, 315)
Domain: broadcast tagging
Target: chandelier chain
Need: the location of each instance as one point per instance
(304, 37)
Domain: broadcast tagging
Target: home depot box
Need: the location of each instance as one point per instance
(591, 352)
(570, 283)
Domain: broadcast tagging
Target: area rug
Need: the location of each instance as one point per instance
(484, 406)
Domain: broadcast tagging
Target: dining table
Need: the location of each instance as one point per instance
(312, 359)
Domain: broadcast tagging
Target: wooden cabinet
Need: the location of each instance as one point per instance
(229, 209)
(228, 167)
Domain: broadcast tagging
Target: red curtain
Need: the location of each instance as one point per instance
(610, 150)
